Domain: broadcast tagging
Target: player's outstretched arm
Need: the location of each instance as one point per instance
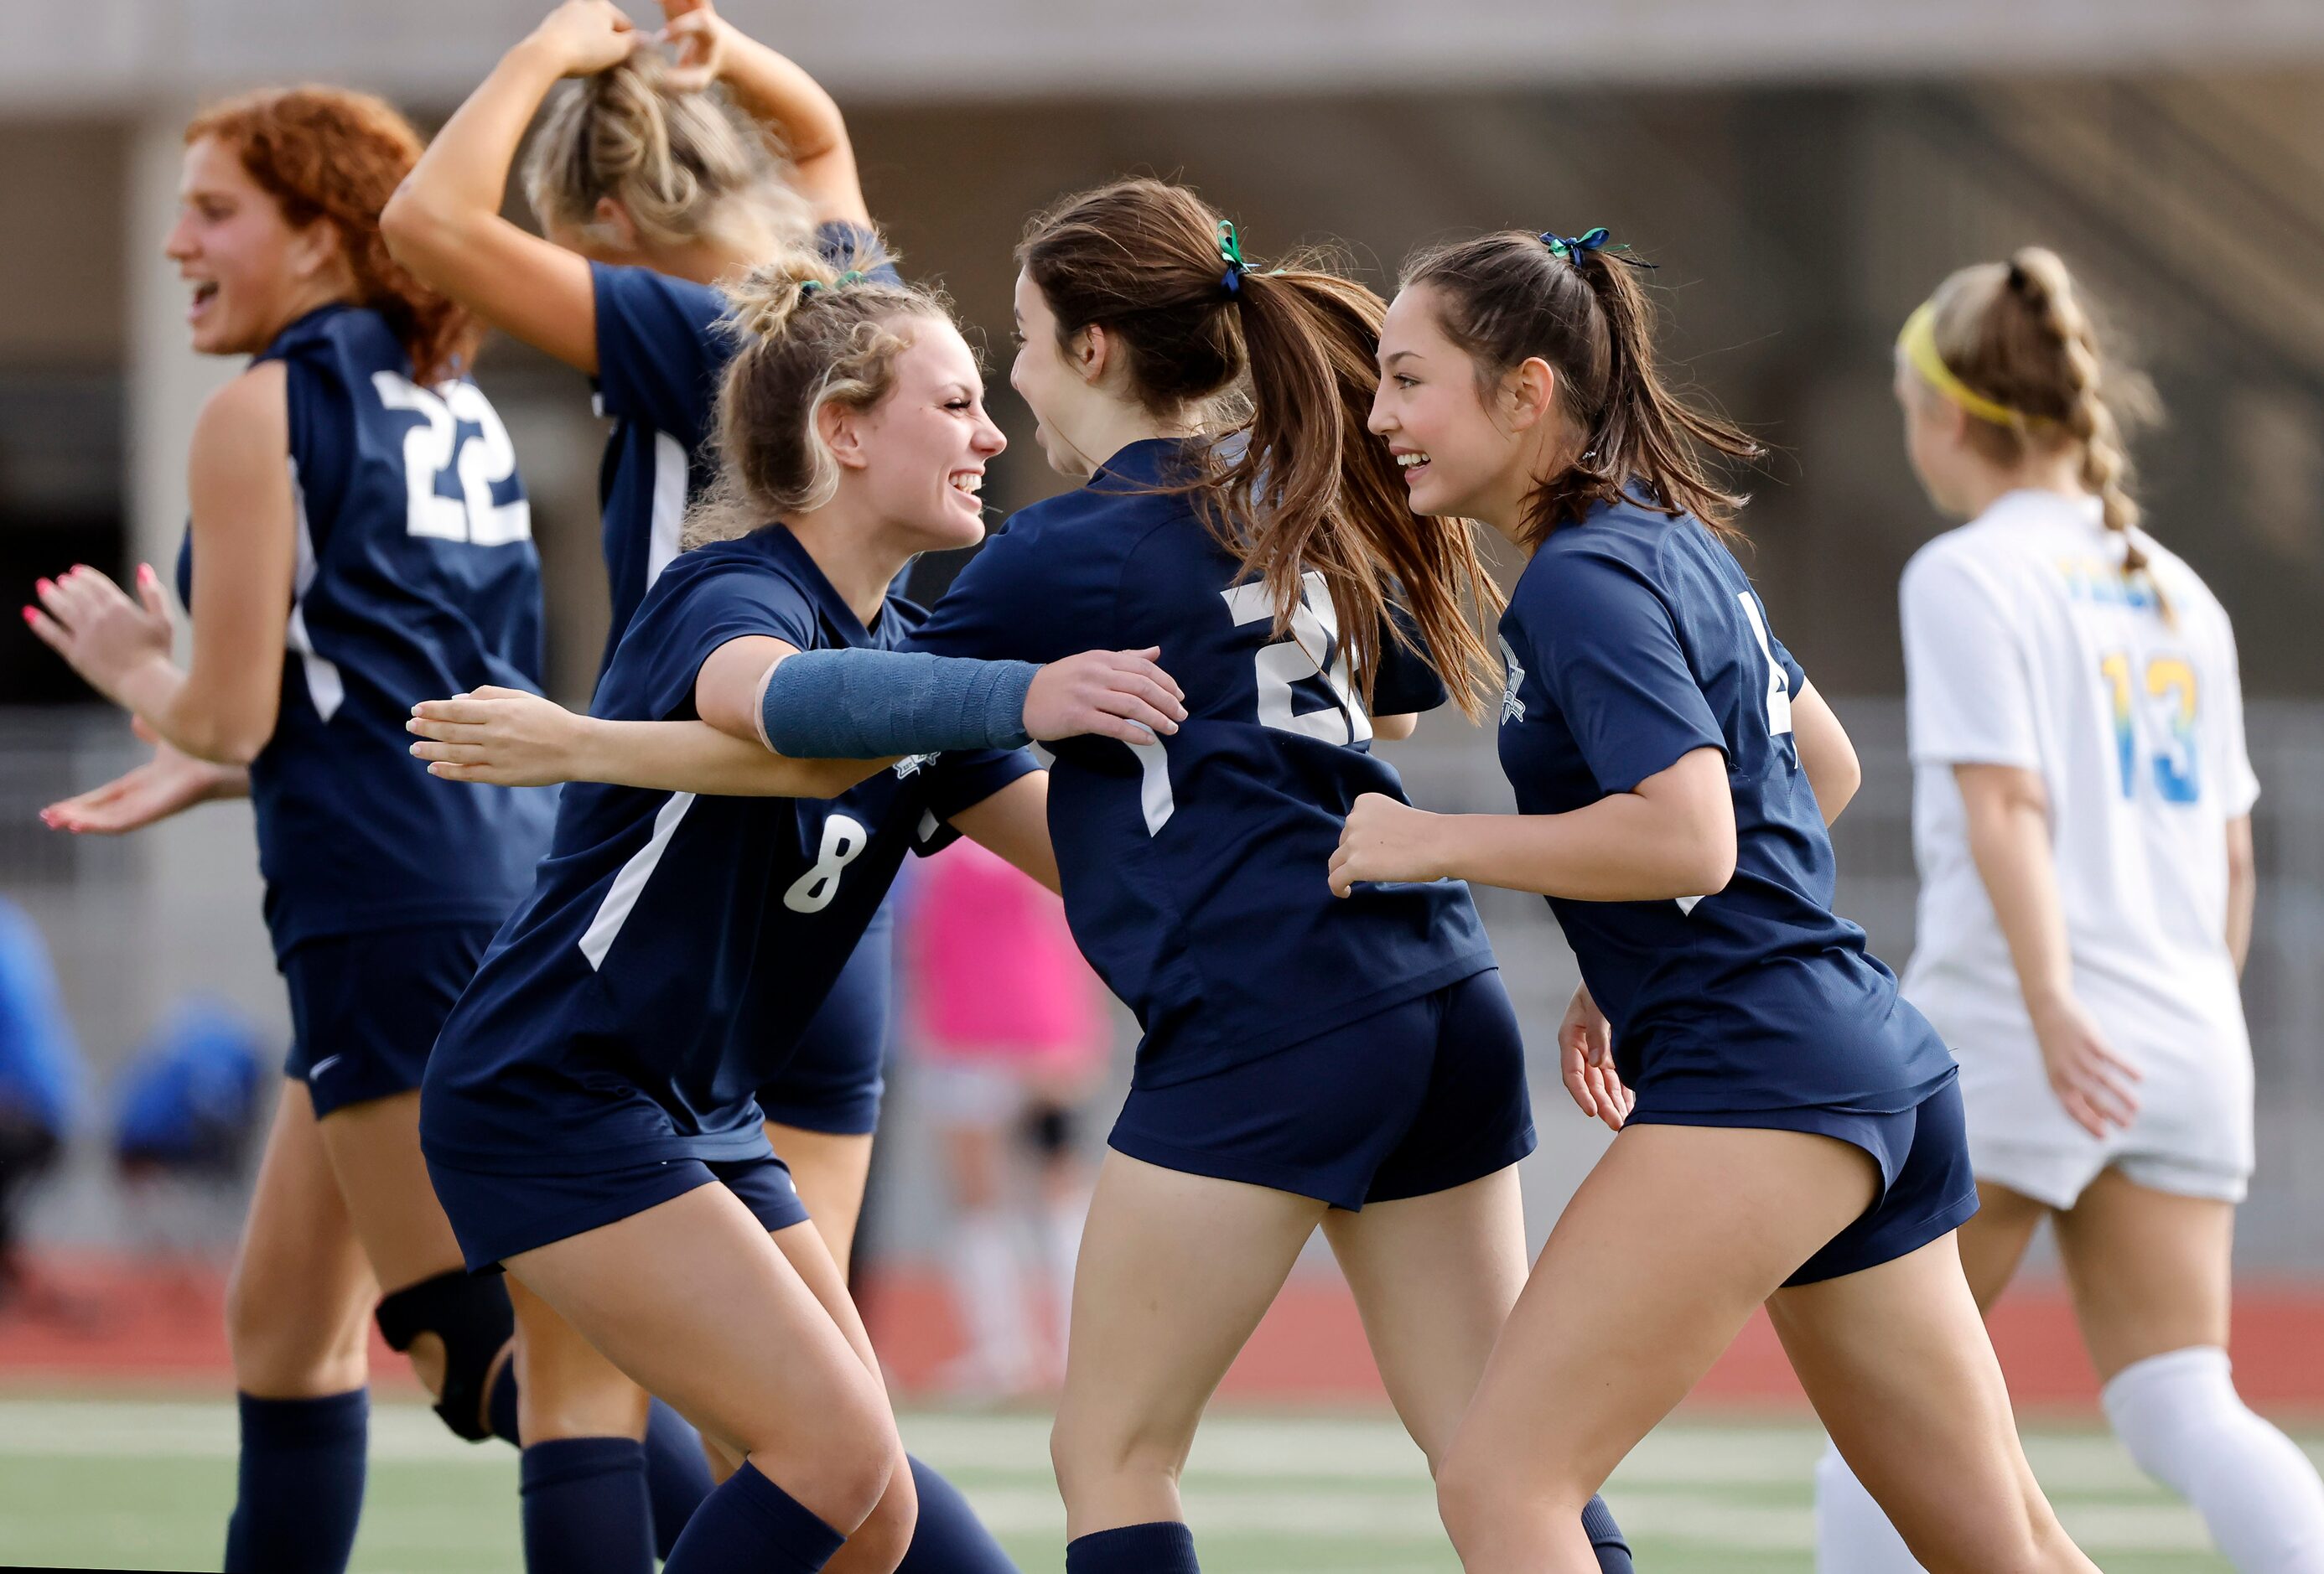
(505, 737)
(1671, 837)
(857, 703)
(444, 222)
(778, 93)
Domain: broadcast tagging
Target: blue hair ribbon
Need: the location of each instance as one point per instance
(1230, 253)
(1573, 248)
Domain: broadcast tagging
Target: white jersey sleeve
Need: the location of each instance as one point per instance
(1968, 689)
(2230, 763)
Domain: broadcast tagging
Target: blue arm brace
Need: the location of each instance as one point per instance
(867, 705)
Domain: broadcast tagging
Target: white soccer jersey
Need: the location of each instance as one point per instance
(2024, 646)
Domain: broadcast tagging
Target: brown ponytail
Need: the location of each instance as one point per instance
(2019, 334)
(811, 332)
(1505, 298)
(326, 154)
(1287, 355)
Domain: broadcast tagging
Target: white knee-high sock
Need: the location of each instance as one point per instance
(1852, 1535)
(2182, 1419)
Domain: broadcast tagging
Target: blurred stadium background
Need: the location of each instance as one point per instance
(1804, 173)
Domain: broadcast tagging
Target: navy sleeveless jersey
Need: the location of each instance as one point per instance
(662, 347)
(1195, 868)
(1632, 639)
(416, 579)
(676, 945)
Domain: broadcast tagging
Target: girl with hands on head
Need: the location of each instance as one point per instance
(655, 179)
(1791, 1133)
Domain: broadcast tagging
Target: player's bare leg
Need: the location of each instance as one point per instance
(1896, 1362)
(1668, 1245)
(1434, 1278)
(830, 1170)
(1176, 1271)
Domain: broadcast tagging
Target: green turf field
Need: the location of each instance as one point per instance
(94, 1484)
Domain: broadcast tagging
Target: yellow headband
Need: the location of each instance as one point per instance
(1918, 341)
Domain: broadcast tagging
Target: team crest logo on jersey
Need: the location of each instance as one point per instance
(1512, 707)
(911, 765)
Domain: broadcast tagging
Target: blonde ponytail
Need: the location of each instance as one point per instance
(2019, 335)
(685, 167)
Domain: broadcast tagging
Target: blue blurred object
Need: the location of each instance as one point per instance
(189, 1099)
(40, 1062)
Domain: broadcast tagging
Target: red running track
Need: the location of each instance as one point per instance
(99, 1320)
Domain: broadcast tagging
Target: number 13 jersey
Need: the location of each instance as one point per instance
(1195, 868)
(415, 578)
(2024, 646)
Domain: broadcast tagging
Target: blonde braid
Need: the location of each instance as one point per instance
(2040, 279)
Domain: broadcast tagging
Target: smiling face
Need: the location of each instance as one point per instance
(923, 448)
(250, 271)
(1456, 458)
(1050, 385)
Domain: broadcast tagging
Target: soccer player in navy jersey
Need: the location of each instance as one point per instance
(589, 1120)
(1305, 1061)
(1796, 1136)
(359, 538)
(651, 187)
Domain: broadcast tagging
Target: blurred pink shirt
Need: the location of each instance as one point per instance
(995, 972)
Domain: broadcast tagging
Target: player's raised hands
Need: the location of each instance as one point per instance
(88, 620)
(1585, 1047)
(2098, 1086)
(1111, 693)
(501, 737)
(1386, 839)
(584, 37)
(165, 785)
(699, 35)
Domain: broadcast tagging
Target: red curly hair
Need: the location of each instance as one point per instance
(330, 155)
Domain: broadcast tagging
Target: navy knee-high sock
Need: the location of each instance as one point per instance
(299, 1490)
(949, 1539)
(1164, 1547)
(584, 1507)
(749, 1525)
(1606, 1539)
(678, 1477)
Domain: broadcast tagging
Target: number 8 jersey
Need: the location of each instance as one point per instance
(1194, 867)
(415, 578)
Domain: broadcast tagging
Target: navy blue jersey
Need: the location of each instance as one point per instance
(1195, 868)
(676, 945)
(662, 348)
(416, 578)
(1632, 639)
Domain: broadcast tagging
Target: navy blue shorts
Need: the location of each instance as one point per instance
(497, 1216)
(834, 1078)
(1422, 1097)
(1927, 1189)
(365, 1008)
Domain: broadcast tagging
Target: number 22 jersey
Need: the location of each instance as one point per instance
(1194, 867)
(415, 578)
